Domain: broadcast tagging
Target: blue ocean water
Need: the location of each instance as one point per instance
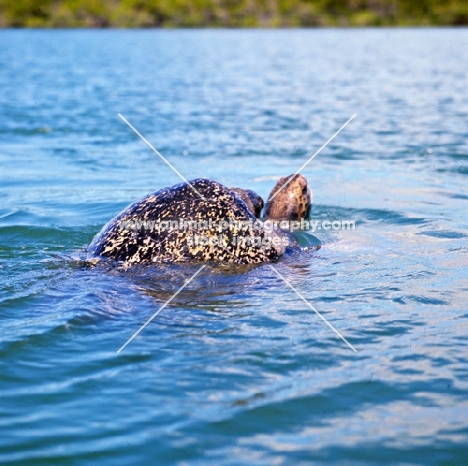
(237, 369)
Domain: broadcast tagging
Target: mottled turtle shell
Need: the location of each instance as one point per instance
(130, 237)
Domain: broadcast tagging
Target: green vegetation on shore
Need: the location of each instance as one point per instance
(231, 13)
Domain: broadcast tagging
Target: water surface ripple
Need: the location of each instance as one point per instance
(237, 370)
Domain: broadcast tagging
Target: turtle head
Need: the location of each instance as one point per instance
(290, 199)
(253, 201)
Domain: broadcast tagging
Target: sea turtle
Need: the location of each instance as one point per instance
(203, 220)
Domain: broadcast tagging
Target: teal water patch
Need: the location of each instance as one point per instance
(444, 234)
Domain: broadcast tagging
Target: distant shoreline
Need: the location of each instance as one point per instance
(221, 28)
(244, 14)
